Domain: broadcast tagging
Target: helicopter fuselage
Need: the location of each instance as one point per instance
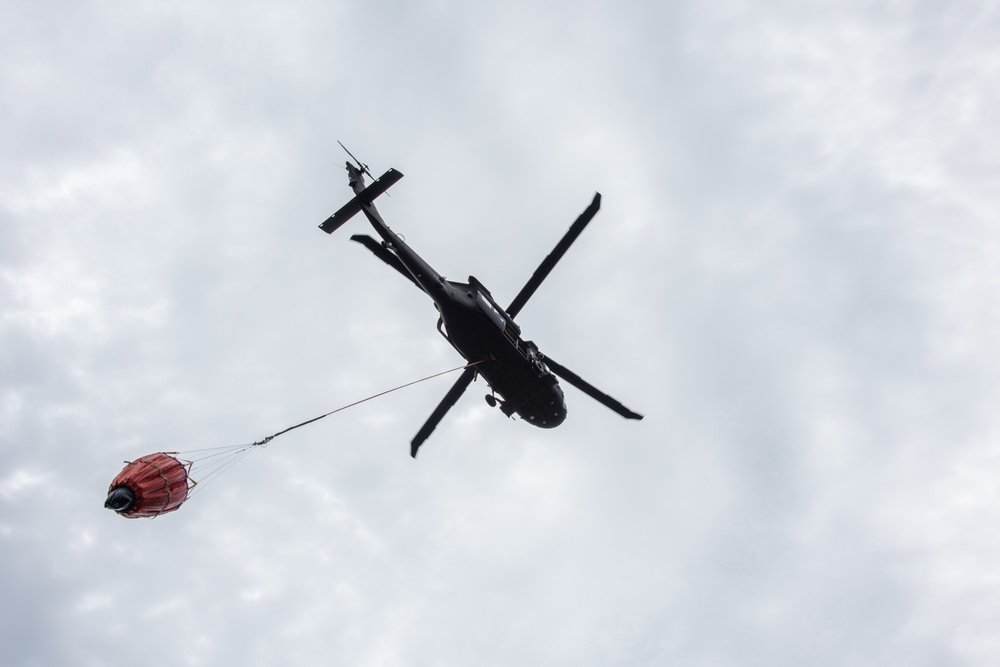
(484, 334)
(479, 330)
(470, 319)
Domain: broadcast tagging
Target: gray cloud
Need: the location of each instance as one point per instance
(792, 276)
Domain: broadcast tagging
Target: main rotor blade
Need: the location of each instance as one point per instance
(589, 389)
(449, 400)
(380, 251)
(549, 262)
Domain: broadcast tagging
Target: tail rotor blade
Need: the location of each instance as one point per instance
(362, 166)
(549, 262)
(439, 412)
(590, 390)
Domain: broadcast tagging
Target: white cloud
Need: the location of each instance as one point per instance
(792, 276)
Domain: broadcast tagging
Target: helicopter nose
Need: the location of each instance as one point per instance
(546, 409)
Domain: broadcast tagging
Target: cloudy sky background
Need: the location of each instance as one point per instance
(793, 276)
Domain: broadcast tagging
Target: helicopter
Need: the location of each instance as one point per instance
(522, 380)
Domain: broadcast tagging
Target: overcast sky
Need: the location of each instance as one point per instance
(794, 276)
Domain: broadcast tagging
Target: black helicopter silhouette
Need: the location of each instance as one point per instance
(473, 323)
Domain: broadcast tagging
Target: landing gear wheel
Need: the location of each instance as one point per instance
(491, 400)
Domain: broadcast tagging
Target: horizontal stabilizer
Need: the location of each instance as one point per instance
(363, 198)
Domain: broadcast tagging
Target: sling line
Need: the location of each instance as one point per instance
(213, 461)
(269, 438)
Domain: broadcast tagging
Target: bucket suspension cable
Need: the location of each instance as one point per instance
(160, 483)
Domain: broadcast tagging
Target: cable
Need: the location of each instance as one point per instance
(211, 462)
(383, 393)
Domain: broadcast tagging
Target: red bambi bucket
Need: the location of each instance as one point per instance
(149, 486)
